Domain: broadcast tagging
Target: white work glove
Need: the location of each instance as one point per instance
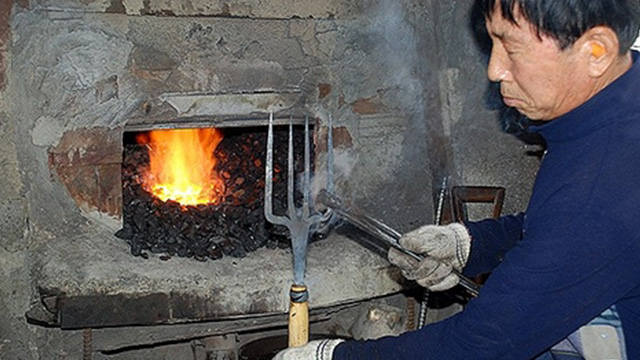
(314, 350)
(447, 247)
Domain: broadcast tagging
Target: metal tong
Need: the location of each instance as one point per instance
(382, 232)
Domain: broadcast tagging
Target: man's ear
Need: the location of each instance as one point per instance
(601, 48)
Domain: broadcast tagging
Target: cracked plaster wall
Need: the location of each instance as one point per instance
(96, 71)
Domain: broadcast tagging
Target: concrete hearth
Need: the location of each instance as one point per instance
(96, 283)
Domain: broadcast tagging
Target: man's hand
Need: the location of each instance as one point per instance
(444, 248)
(314, 350)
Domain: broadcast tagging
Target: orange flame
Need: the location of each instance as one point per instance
(181, 165)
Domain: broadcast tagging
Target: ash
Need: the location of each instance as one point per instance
(234, 227)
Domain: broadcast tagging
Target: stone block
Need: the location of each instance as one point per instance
(144, 58)
(88, 163)
(368, 106)
(272, 9)
(323, 90)
(5, 33)
(230, 104)
(13, 224)
(341, 138)
(94, 187)
(88, 147)
(109, 185)
(243, 8)
(74, 5)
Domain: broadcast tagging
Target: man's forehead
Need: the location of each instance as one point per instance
(515, 10)
(500, 27)
(514, 14)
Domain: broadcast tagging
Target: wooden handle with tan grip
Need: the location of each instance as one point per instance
(298, 316)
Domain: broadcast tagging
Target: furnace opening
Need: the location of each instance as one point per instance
(199, 193)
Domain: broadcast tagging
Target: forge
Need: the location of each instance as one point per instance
(187, 258)
(96, 266)
(202, 211)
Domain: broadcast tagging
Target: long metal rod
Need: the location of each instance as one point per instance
(424, 304)
(383, 232)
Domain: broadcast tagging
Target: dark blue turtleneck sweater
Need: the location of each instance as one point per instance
(574, 254)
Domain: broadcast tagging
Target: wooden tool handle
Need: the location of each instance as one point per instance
(298, 316)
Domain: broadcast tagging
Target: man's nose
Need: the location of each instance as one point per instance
(497, 70)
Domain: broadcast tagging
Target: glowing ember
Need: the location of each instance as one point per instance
(181, 165)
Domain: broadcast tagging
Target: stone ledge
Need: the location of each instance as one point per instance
(98, 283)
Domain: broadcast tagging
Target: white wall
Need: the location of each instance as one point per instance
(636, 45)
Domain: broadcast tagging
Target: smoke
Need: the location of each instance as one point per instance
(402, 163)
(377, 60)
(380, 56)
(397, 50)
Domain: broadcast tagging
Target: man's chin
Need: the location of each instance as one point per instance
(535, 117)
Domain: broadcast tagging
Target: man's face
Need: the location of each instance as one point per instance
(536, 77)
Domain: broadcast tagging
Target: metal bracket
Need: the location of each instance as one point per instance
(223, 347)
(476, 194)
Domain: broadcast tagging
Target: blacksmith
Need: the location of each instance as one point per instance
(565, 274)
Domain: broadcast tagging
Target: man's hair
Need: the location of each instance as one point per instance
(566, 21)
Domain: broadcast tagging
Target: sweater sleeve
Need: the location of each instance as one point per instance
(564, 272)
(492, 238)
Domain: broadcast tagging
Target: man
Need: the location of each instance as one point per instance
(565, 279)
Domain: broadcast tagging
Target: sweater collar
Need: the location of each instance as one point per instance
(598, 111)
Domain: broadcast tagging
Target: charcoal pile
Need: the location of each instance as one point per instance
(233, 227)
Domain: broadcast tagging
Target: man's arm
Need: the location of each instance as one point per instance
(564, 272)
(492, 238)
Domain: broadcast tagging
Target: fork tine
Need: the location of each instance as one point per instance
(330, 185)
(268, 185)
(306, 184)
(290, 174)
